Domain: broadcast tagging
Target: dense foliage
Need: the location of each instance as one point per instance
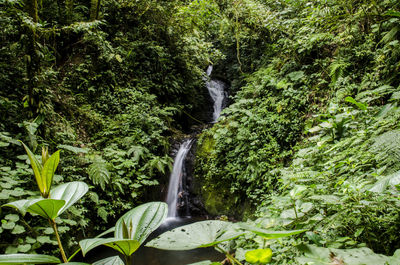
(109, 85)
(309, 141)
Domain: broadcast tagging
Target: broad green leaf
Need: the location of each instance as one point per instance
(69, 192)
(24, 248)
(74, 263)
(206, 262)
(392, 13)
(115, 260)
(141, 221)
(297, 191)
(381, 185)
(196, 235)
(357, 256)
(73, 149)
(268, 233)
(47, 208)
(12, 217)
(358, 104)
(22, 205)
(27, 259)
(48, 171)
(18, 229)
(111, 230)
(259, 256)
(37, 169)
(124, 246)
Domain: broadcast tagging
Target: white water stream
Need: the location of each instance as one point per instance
(216, 89)
(175, 180)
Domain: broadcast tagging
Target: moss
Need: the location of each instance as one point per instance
(206, 145)
(218, 201)
(215, 194)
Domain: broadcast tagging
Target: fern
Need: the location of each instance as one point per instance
(99, 173)
(138, 152)
(337, 70)
(73, 149)
(389, 36)
(387, 149)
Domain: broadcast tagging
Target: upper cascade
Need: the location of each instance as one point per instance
(217, 91)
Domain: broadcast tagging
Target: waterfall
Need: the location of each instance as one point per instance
(177, 196)
(216, 89)
(175, 189)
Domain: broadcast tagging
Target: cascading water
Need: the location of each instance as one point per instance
(177, 197)
(175, 189)
(217, 91)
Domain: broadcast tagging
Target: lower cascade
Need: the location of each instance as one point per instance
(175, 187)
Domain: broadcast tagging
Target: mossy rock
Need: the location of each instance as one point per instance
(205, 145)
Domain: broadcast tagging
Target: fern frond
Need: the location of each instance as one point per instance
(337, 70)
(387, 149)
(389, 36)
(138, 152)
(99, 173)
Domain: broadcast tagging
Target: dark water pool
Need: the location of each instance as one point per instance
(152, 256)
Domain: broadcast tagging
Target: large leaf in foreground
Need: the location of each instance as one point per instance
(37, 170)
(124, 246)
(27, 259)
(269, 234)
(206, 262)
(196, 235)
(21, 205)
(48, 208)
(115, 260)
(358, 256)
(141, 221)
(70, 192)
(49, 169)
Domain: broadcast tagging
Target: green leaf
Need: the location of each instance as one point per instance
(21, 205)
(24, 248)
(69, 192)
(357, 256)
(18, 229)
(205, 262)
(74, 263)
(267, 233)
(44, 240)
(261, 256)
(115, 260)
(297, 191)
(124, 246)
(73, 149)
(381, 185)
(27, 259)
(142, 220)
(358, 104)
(37, 169)
(196, 235)
(12, 217)
(48, 171)
(8, 225)
(392, 13)
(47, 208)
